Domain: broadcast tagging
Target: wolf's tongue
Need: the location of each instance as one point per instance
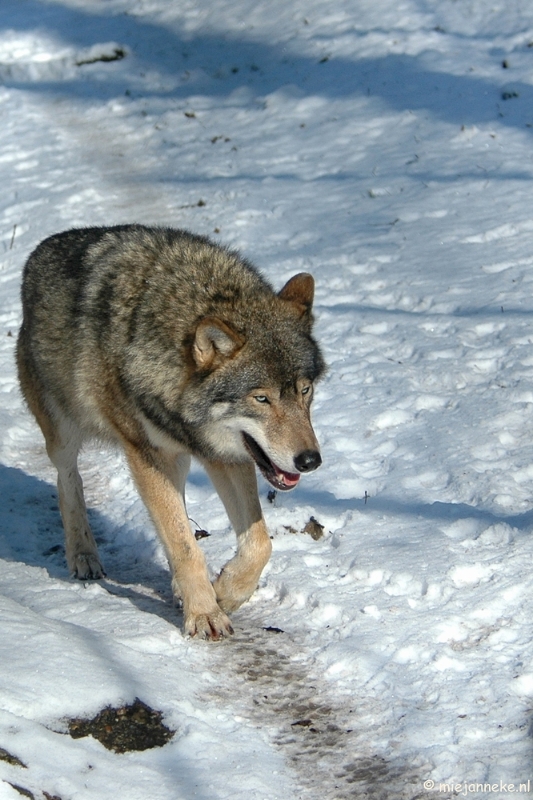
(287, 478)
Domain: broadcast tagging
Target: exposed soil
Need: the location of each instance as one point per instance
(117, 54)
(133, 727)
(9, 758)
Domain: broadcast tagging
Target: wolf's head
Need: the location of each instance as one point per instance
(256, 366)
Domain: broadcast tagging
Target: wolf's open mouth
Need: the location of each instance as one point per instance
(277, 477)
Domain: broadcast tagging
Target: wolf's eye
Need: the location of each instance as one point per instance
(261, 398)
(306, 390)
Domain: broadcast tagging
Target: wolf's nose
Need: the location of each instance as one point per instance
(307, 461)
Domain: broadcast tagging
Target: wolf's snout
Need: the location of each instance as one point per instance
(307, 461)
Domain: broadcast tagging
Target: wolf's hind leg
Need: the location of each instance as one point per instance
(237, 486)
(63, 443)
(63, 440)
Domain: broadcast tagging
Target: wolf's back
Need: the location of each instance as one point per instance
(97, 300)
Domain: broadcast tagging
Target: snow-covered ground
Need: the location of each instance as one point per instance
(386, 147)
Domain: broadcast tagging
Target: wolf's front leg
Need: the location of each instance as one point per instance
(161, 481)
(237, 486)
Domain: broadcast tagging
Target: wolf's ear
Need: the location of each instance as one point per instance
(214, 342)
(300, 291)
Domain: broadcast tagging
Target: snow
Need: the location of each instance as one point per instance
(385, 147)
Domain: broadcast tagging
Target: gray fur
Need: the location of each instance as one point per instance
(130, 298)
(172, 346)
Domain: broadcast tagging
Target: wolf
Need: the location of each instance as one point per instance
(171, 346)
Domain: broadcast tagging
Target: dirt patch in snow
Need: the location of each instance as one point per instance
(133, 727)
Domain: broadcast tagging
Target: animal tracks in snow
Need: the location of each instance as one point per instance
(323, 740)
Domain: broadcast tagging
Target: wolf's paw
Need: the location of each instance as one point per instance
(231, 593)
(87, 567)
(214, 625)
(231, 602)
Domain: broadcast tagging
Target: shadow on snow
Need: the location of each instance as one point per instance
(219, 64)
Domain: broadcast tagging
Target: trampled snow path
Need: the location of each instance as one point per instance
(263, 679)
(387, 148)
